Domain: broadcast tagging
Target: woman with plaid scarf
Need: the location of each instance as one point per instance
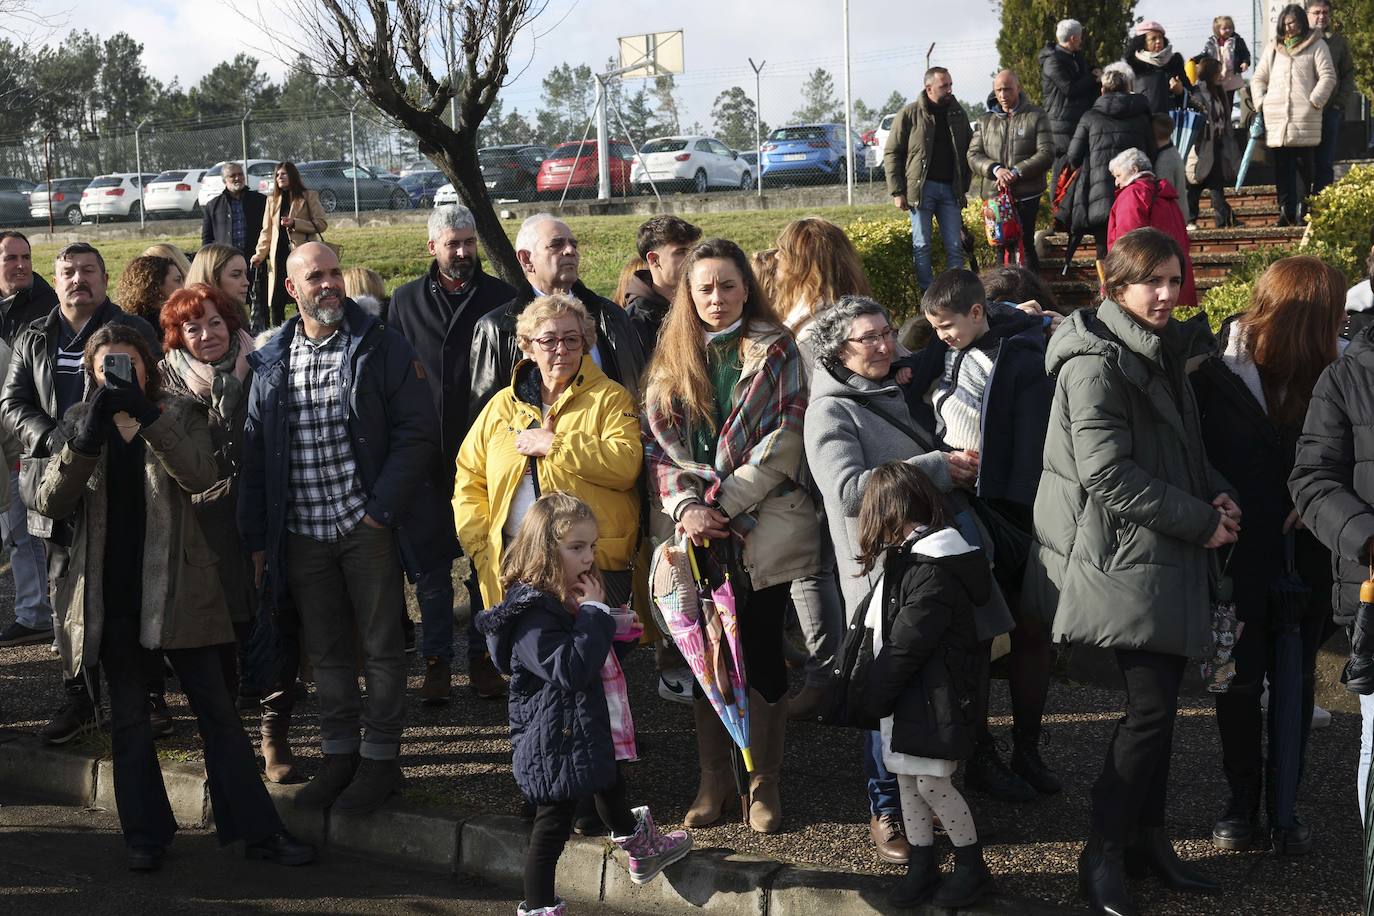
(724, 400)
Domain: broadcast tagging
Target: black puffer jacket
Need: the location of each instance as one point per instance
(1153, 82)
(924, 674)
(1067, 90)
(1117, 122)
(1332, 483)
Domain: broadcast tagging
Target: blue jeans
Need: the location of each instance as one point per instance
(28, 562)
(937, 202)
(434, 594)
(1324, 171)
(883, 795)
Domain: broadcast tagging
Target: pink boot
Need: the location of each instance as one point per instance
(651, 851)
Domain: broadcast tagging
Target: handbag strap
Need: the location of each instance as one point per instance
(906, 428)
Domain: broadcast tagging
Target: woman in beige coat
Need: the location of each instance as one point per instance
(1292, 83)
(141, 578)
(293, 217)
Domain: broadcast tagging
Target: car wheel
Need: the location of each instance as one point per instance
(73, 216)
(699, 183)
(746, 182)
(329, 200)
(840, 167)
(426, 202)
(134, 211)
(400, 200)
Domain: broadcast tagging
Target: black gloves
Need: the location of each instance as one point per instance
(131, 399)
(90, 435)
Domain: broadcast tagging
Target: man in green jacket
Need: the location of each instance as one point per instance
(1319, 17)
(1013, 151)
(927, 174)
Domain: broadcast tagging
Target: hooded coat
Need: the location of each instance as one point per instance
(1124, 504)
(183, 602)
(1332, 483)
(646, 308)
(560, 728)
(1068, 89)
(924, 675)
(1152, 81)
(1117, 122)
(1021, 140)
(1151, 201)
(1291, 86)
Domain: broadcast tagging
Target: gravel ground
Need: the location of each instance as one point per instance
(457, 757)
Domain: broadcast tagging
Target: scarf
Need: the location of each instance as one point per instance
(1156, 58)
(617, 694)
(219, 384)
(1294, 41)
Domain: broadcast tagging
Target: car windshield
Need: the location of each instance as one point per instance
(108, 181)
(170, 176)
(887, 121)
(419, 179)
(40, 187)
(798, 133)
(571, 151)
(667, 145)
(496, 156)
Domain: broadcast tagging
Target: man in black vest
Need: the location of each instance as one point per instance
(234, 218)
(437, 314)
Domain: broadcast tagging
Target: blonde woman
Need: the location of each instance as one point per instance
(294, 216)
(817, 264)
(171, 253)
(367, 288)
(225, 269)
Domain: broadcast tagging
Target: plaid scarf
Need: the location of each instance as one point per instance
(618, 695)
(754, 431)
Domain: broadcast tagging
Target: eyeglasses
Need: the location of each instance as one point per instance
(572, 343)
(871, 341)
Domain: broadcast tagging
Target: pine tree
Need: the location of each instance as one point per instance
(819, 102)
(733, 114)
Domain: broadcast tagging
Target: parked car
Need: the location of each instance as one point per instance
(573, 166)
(808, 152)
(114, 196)
(512, 170)
(61, 197)
(421, 187)
(884, 128)
(333, 180)
(693, 163)
(14, 200)
(212, 183)
(446, 195)
(174, 193)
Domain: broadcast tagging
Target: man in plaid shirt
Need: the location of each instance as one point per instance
(340, 449)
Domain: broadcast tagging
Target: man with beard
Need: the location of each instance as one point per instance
(437, 313)
(339, 452)
(45, 378)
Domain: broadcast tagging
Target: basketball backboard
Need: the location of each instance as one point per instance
(654, 54)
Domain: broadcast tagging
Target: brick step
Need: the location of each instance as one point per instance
(1203, 241)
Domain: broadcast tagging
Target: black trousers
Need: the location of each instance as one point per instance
(1291, 165)
(1133, 788)
(1028, 211)
(1215, 185)
(549, 834)
(243, 810)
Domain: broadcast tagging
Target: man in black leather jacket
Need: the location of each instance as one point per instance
(547, 250)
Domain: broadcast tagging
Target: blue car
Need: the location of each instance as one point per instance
(809, 154)
(421, 187)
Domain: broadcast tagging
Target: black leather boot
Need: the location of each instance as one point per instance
(1152, 854)
(970, 880)
(919, 883)
(1102, 878)
(329, 782)
(987, 773)
(1027, 763)
(1239, 823)
(1292, 841)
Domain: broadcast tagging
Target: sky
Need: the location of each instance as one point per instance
(888, 42)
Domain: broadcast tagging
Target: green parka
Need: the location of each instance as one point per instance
(1124, 504)
(909, 145)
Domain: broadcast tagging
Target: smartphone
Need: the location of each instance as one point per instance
(119, 366)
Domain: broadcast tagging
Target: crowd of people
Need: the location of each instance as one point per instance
(185, 494)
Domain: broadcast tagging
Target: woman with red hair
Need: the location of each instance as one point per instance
(1253, 397)
(206, 357)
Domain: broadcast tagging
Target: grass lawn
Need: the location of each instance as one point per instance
(398, 252)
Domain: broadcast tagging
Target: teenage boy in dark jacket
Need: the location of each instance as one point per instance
(984, 372)
(663, 243)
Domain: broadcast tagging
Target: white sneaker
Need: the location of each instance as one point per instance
(1192, 227)
(1320, 717)
(675, 685)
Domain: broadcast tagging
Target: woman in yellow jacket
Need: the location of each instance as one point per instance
(293, 217)
(561, 425)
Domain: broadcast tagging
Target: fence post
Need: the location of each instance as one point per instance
(243, 136)
(353, 152)
(47, 174)
(138, 170)
(758, 118)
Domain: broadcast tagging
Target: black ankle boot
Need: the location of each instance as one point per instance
(1102, 878)
(969, 881)
(1152, 854)
(919, 883)
(986, 773)
(1238, 824)
(1292, 841)
(1027, 763)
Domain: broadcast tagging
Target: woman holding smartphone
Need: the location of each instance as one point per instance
(133, 458)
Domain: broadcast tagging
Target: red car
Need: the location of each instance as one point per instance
(573, 166)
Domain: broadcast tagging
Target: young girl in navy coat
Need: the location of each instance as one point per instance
(919, 683)
(552, 636)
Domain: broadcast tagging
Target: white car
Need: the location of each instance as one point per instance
(880, 135)
(446, 196)
(174, 193)
(696, 163)
(212, 185)
(114, 195)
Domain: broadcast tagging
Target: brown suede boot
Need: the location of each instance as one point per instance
(767, 729)
(717, 787)
(280, 764)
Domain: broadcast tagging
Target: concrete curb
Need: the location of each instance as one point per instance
(491, 847)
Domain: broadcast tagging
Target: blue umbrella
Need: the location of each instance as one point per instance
(1287, 601)
(1256, 132)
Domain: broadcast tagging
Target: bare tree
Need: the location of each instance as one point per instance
(411, 61)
